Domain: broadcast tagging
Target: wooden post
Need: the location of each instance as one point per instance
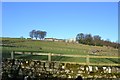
(49, 57)
(87, 60)
(31, 53)
(12, 55)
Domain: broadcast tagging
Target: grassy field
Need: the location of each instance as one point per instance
(14, 44)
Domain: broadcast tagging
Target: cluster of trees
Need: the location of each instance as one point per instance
(96, 40)
(37, 34)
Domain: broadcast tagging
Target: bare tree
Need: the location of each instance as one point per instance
(43, 34)
(80, 37)
(37, 34)
(31, 34)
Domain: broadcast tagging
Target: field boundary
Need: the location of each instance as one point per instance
(88, 57)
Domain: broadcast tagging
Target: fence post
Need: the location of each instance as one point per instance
(87, 60)
(12, 55)
(49, 57)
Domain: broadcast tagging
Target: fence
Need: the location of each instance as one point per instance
(88, 57)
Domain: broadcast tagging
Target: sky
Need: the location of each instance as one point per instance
(60, 0)
(61, 20)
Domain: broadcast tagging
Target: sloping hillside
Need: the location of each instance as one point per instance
(56, 47)
(14, 44)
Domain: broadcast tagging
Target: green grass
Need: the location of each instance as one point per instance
(104, 60)
(68, 59)
(57, 48)
(30, 57)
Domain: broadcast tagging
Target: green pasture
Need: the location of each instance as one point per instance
(24, 45)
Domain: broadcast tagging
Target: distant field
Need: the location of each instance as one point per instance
(11, 44)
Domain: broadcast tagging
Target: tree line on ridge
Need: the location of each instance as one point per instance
(95, 40)
(37, 34)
